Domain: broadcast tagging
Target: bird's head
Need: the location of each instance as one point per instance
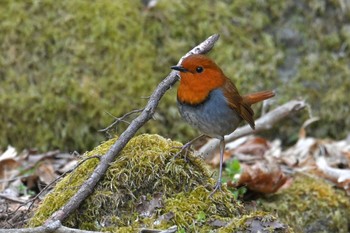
(199, 76)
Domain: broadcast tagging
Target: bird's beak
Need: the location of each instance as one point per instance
(179, 68)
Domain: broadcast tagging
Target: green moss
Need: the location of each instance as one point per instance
(69, 185)
(311, 205)
(255, 222)
(65, 63)
(186, 207)
(146, 187)
(145, 167)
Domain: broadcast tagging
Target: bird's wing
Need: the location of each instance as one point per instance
(235, 101)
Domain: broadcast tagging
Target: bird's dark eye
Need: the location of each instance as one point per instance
(199, 69)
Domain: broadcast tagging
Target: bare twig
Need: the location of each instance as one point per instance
(88, 186)
(14, 178)
(263, 123)
(55, 226)
(120, 119)
(171, 229)
(3, 196)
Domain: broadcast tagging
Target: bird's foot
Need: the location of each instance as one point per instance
(217, 187)
(185, 148)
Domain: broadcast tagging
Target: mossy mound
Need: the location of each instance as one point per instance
(146, 187)
(65, 63)
(311, 205)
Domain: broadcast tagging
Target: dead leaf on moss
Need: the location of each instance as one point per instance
(263, 177)
(261, 224)
(217, 223)
(146, 208)
(165, 217)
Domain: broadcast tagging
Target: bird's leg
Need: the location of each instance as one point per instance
(188, 145)
(218, 183)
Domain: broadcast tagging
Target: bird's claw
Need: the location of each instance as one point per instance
(185, 147)
(217, 187)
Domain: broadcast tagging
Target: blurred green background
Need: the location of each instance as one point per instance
(64, 64)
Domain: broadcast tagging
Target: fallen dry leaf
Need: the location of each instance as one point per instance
(45, 172)
(68, 166)
(245, 149)
(147, 208)
(8, 170)
(262, 176)
(10, 153)
(256, 146)
(216, 159)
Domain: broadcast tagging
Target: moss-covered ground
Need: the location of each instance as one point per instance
(311, 205)
(64, 64)
(146, 187)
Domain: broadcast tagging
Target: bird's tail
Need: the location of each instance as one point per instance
(257, 97)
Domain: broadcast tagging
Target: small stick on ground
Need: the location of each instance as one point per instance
(57, 227)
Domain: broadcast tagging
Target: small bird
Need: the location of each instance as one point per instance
(210, 102)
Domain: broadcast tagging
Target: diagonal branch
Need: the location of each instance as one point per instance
(88, 186)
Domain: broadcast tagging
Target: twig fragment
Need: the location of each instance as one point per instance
(3, 196)
(120, 119)
(55, 226)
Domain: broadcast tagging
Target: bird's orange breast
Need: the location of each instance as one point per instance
(195, 88)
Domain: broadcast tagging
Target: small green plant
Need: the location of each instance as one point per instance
(233, 169)
(238, 192)
(23, 190)
(201, 216)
